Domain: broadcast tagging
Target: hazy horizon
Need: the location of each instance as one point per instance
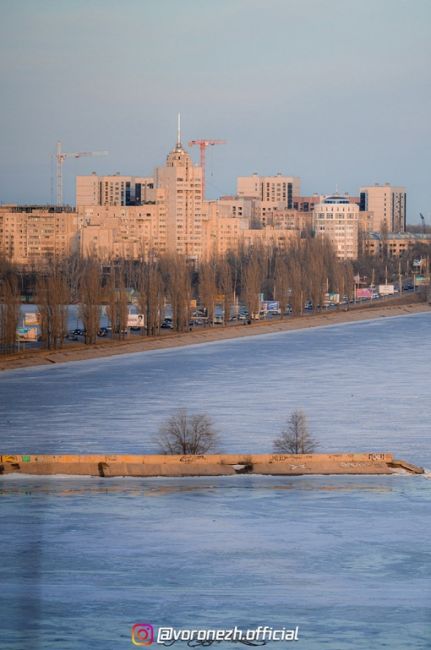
(336, 92)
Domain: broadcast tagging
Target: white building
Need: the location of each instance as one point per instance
(337, 219)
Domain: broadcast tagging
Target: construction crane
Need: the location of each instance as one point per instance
(60, 157)
(203, 144)
(423, 222)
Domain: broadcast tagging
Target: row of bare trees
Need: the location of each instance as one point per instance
(305, 270)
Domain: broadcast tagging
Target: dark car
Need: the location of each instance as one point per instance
(103, 331)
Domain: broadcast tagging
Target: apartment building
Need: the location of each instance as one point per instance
(29, 234)
(275, 191)
(124, 231)
(388, 206)
(182, 182)
(113, 190)
(337, 219)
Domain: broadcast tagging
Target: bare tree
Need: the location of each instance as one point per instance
(90, 296)
(252, 276)
(53, 297)
(281, 282)
(187, 434)
(150, 291)
(208, 287)
(117, 298)
(225, 286)
(295, 438)
(9, 310)
(177, 280)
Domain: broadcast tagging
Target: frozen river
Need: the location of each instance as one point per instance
(346, 559)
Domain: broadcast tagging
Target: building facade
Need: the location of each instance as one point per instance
(388, 204)
(277, 191)
(113, 190)
(31, 234)
(182, 183)
(337, 219)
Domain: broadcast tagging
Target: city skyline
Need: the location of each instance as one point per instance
(338, 95)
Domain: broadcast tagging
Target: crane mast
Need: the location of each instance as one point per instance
(60, 157)
(203, 144)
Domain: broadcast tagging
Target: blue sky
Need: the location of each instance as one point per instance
(335, 91)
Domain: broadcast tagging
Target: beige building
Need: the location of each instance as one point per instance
(220, 233)
(182, 182)
(395, 243)
(113, 190)
(337, 219)
(29, 234)
(119, 231)
(277, 191)
(388, 205)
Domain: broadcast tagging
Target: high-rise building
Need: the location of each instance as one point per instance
(275, 190)
(113, 190)
(388, 205)
(337, 219)
(182, 182)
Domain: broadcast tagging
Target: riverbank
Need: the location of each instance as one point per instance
(208, 465)
(400, 307)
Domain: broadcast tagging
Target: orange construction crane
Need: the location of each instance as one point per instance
(203, 144)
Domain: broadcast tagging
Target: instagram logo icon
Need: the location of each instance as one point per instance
(142, 634)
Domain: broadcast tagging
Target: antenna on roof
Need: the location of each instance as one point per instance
(179, 130)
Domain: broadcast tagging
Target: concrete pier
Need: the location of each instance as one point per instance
(208, 465)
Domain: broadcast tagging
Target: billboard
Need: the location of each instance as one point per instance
(31, 318)
(386, 289)
(364, 293)
(135, 320)
(26, 334)
(270, 305)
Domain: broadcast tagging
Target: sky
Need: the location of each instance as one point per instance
(334, 91)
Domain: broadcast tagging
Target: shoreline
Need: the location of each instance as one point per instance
(206, 335)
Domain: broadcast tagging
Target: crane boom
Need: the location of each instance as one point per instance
(203, 144)
(60, 157)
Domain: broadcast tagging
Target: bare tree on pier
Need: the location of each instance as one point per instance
(295, 438)
(187, 434)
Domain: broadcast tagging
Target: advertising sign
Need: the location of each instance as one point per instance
(135, 320)
(364, 293)
(26, 334)
(31, 318)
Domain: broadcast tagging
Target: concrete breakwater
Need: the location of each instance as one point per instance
(208, 465)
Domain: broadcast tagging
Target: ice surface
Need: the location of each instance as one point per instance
(363, 386)
(345, 558)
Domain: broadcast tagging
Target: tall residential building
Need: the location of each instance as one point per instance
(388, 205)
(182, 182)
(277, 191)
(113, 190)
(337, 219)
(31, 234)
